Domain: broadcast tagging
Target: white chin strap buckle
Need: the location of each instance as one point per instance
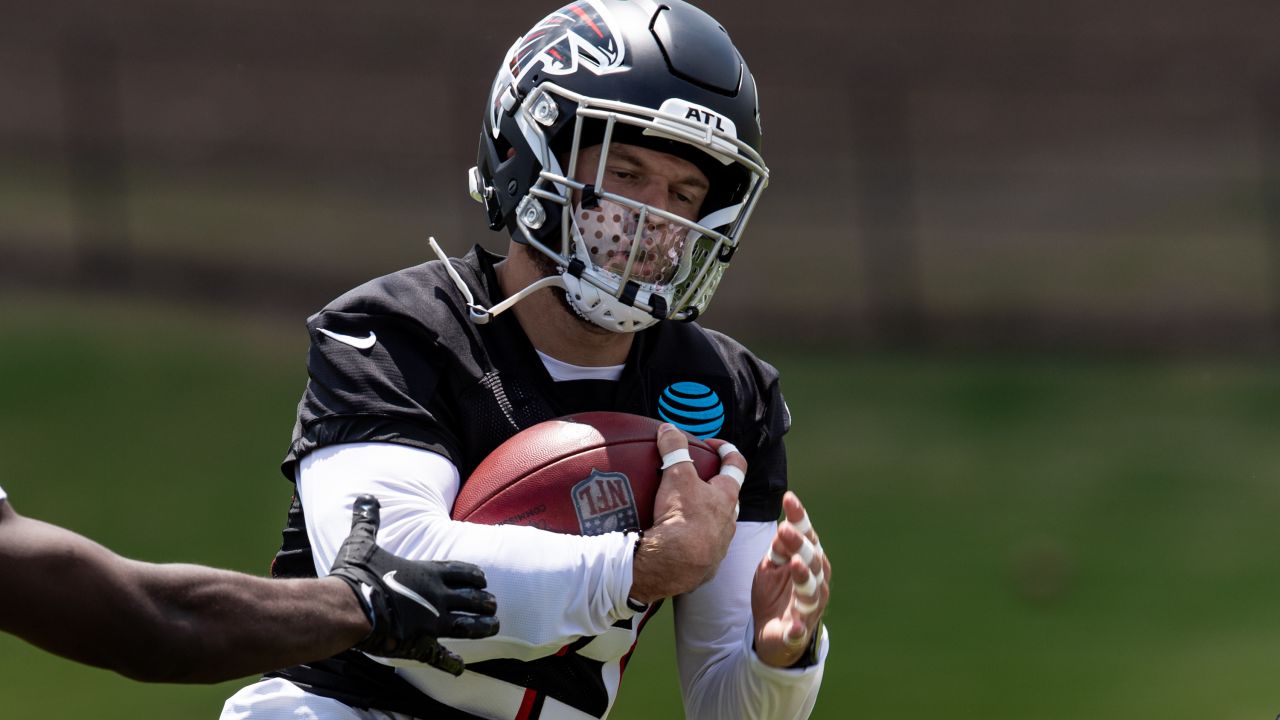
(601, 308)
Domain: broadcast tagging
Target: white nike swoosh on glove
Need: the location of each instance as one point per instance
(359, 343)
(390, 580)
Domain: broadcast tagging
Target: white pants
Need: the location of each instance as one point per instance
(278, 699)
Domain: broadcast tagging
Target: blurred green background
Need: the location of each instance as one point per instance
(1019, 265)
(1013, 537)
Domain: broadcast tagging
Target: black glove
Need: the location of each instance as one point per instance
(411, 603)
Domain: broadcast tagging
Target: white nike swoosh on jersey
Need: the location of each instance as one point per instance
(390, 580)
(363, 343)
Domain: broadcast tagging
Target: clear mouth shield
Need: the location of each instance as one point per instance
(629, 244)
(634, 256)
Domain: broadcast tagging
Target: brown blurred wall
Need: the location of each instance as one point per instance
(1016, 174)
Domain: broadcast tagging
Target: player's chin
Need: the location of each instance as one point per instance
(583, 323)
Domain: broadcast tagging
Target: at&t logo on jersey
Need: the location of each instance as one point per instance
(604, 503)
(692, 407)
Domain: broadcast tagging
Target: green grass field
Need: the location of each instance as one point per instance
(1013, 537)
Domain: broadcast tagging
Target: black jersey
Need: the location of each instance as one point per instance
(398, 360)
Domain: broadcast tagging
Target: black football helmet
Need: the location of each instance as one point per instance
(659, 75)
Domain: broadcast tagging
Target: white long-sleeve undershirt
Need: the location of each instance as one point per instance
(556, 588)
(553, 588)
(720, 675)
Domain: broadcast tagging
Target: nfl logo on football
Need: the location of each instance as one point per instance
(604, 503)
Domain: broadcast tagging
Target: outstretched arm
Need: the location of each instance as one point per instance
(168, 623)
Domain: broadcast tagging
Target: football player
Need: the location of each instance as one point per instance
(187, 623)
(620, 149)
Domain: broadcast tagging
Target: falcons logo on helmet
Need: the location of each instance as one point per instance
(579, 35)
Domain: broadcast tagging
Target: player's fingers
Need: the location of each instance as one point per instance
(728, 489)
(797, 635)
(786, 542)
(461, 574)
(727, 485)
(807, 587)
(366, 515)
(446, 660)
(473, 601)
(673, 446)
(798, 518)
(732, 463)
(473, 626)
(796, 514)
(806, 582)
(807, 606)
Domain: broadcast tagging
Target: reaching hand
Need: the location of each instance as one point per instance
(411, 603)
(790, 590)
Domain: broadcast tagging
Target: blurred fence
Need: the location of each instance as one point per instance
(1012, 174)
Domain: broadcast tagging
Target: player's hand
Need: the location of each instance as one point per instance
(789, 594)
(411, 603)
(693, 522)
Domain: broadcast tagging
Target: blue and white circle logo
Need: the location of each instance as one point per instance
(692, 407)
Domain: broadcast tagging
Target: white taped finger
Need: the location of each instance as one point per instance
(795, 641)
(737, 510)
(733, 472)
(806, 606)
(807, 550)
(808, 588)
(817, 549)
(725, 449)
(803, 524)
(776, 559)
(675, 457)
(822, 576)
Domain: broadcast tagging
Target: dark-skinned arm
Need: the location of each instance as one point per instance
(187, 623)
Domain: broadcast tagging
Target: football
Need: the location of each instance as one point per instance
(584, 474)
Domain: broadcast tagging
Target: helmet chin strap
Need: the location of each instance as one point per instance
(481, 315)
